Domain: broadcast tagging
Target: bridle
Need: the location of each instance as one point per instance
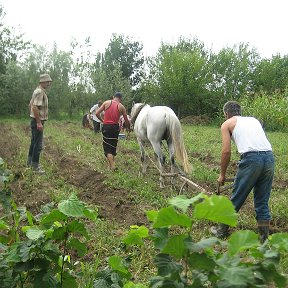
(138, 110)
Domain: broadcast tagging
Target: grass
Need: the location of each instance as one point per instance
(203, 144)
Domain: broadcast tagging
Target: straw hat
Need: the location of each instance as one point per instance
(45, 78)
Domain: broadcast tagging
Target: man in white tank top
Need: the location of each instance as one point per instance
(255, 169)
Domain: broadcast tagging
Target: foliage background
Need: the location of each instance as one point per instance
(187, 77)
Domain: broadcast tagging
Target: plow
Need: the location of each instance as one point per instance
(186, 182)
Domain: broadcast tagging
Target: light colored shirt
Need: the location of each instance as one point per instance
(39, 99)
(93, 111)
(249, 135)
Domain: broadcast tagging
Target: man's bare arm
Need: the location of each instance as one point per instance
(226, 151)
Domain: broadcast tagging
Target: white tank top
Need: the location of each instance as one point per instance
(249, 135)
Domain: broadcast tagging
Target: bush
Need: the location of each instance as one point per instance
(272, 110)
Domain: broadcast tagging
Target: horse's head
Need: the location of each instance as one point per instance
(135, 108)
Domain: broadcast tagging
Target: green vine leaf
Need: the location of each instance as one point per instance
(117, 264)
(166, 265)
(152, 215)
(218, 209)
(72, 207)
(238, 276)
(168, 216)
(34, 233)
(241, 241)
(279, 241)
(90, 214)
(183, 203)
(53, 216)
(176, 246)
(135, 235)
(78, 227)
(202, 245)
(77, 245)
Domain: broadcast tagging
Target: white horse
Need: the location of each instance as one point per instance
(154, 124)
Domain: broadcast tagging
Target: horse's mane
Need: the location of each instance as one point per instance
(133, 118)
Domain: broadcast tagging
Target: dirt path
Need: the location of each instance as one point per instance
(113, 203)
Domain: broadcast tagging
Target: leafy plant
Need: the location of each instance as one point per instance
(43, 253)
(181, 261)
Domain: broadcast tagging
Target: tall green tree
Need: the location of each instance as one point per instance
(233, 71)
(181, 73)
(127, 54)
(107, 81)
(271, 75)
(12, 50)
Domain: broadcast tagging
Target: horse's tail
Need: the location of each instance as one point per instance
(175, 131)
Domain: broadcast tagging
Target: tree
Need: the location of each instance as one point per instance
(12, 50)
(232, 71)
(180, 73)
(271, 75)
(127, 54)
(107, 81)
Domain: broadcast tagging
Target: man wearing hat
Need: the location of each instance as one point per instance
(39, 114)
(113, 109)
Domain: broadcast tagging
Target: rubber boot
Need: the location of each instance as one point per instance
(221, 231)
(263, 228)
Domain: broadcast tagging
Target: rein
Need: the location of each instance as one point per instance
(138, 110)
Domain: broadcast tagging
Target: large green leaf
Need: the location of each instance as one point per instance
(77, 245)
(175, 246)
(166, 265)
(59, 233)
(152, 215)
(218, 209)
(101, 283)
(91, 214)
(13, 255)
(117, 264)
(201, 245)
(201, 262)
(45, 279)
(239, 276)
(78, 227)
(54, 215)
(242, 240)
(24, 266)
(279, 241)
(160, 237)
(25, 249)
(34, 233)
(69, 281)
(168, 216)
(183, 203)
(135, 235)
(72, 207)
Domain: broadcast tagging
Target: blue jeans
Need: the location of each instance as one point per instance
(36, 144)
(255, 171)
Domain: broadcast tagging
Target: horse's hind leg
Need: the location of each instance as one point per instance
(161, 161)
(144, 163)
(174, 167)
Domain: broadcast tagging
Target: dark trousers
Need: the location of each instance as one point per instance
(110, 133)
(36, 144)
(96, 126)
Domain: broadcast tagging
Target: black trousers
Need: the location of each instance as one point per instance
(110, 138)
(36, 144)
